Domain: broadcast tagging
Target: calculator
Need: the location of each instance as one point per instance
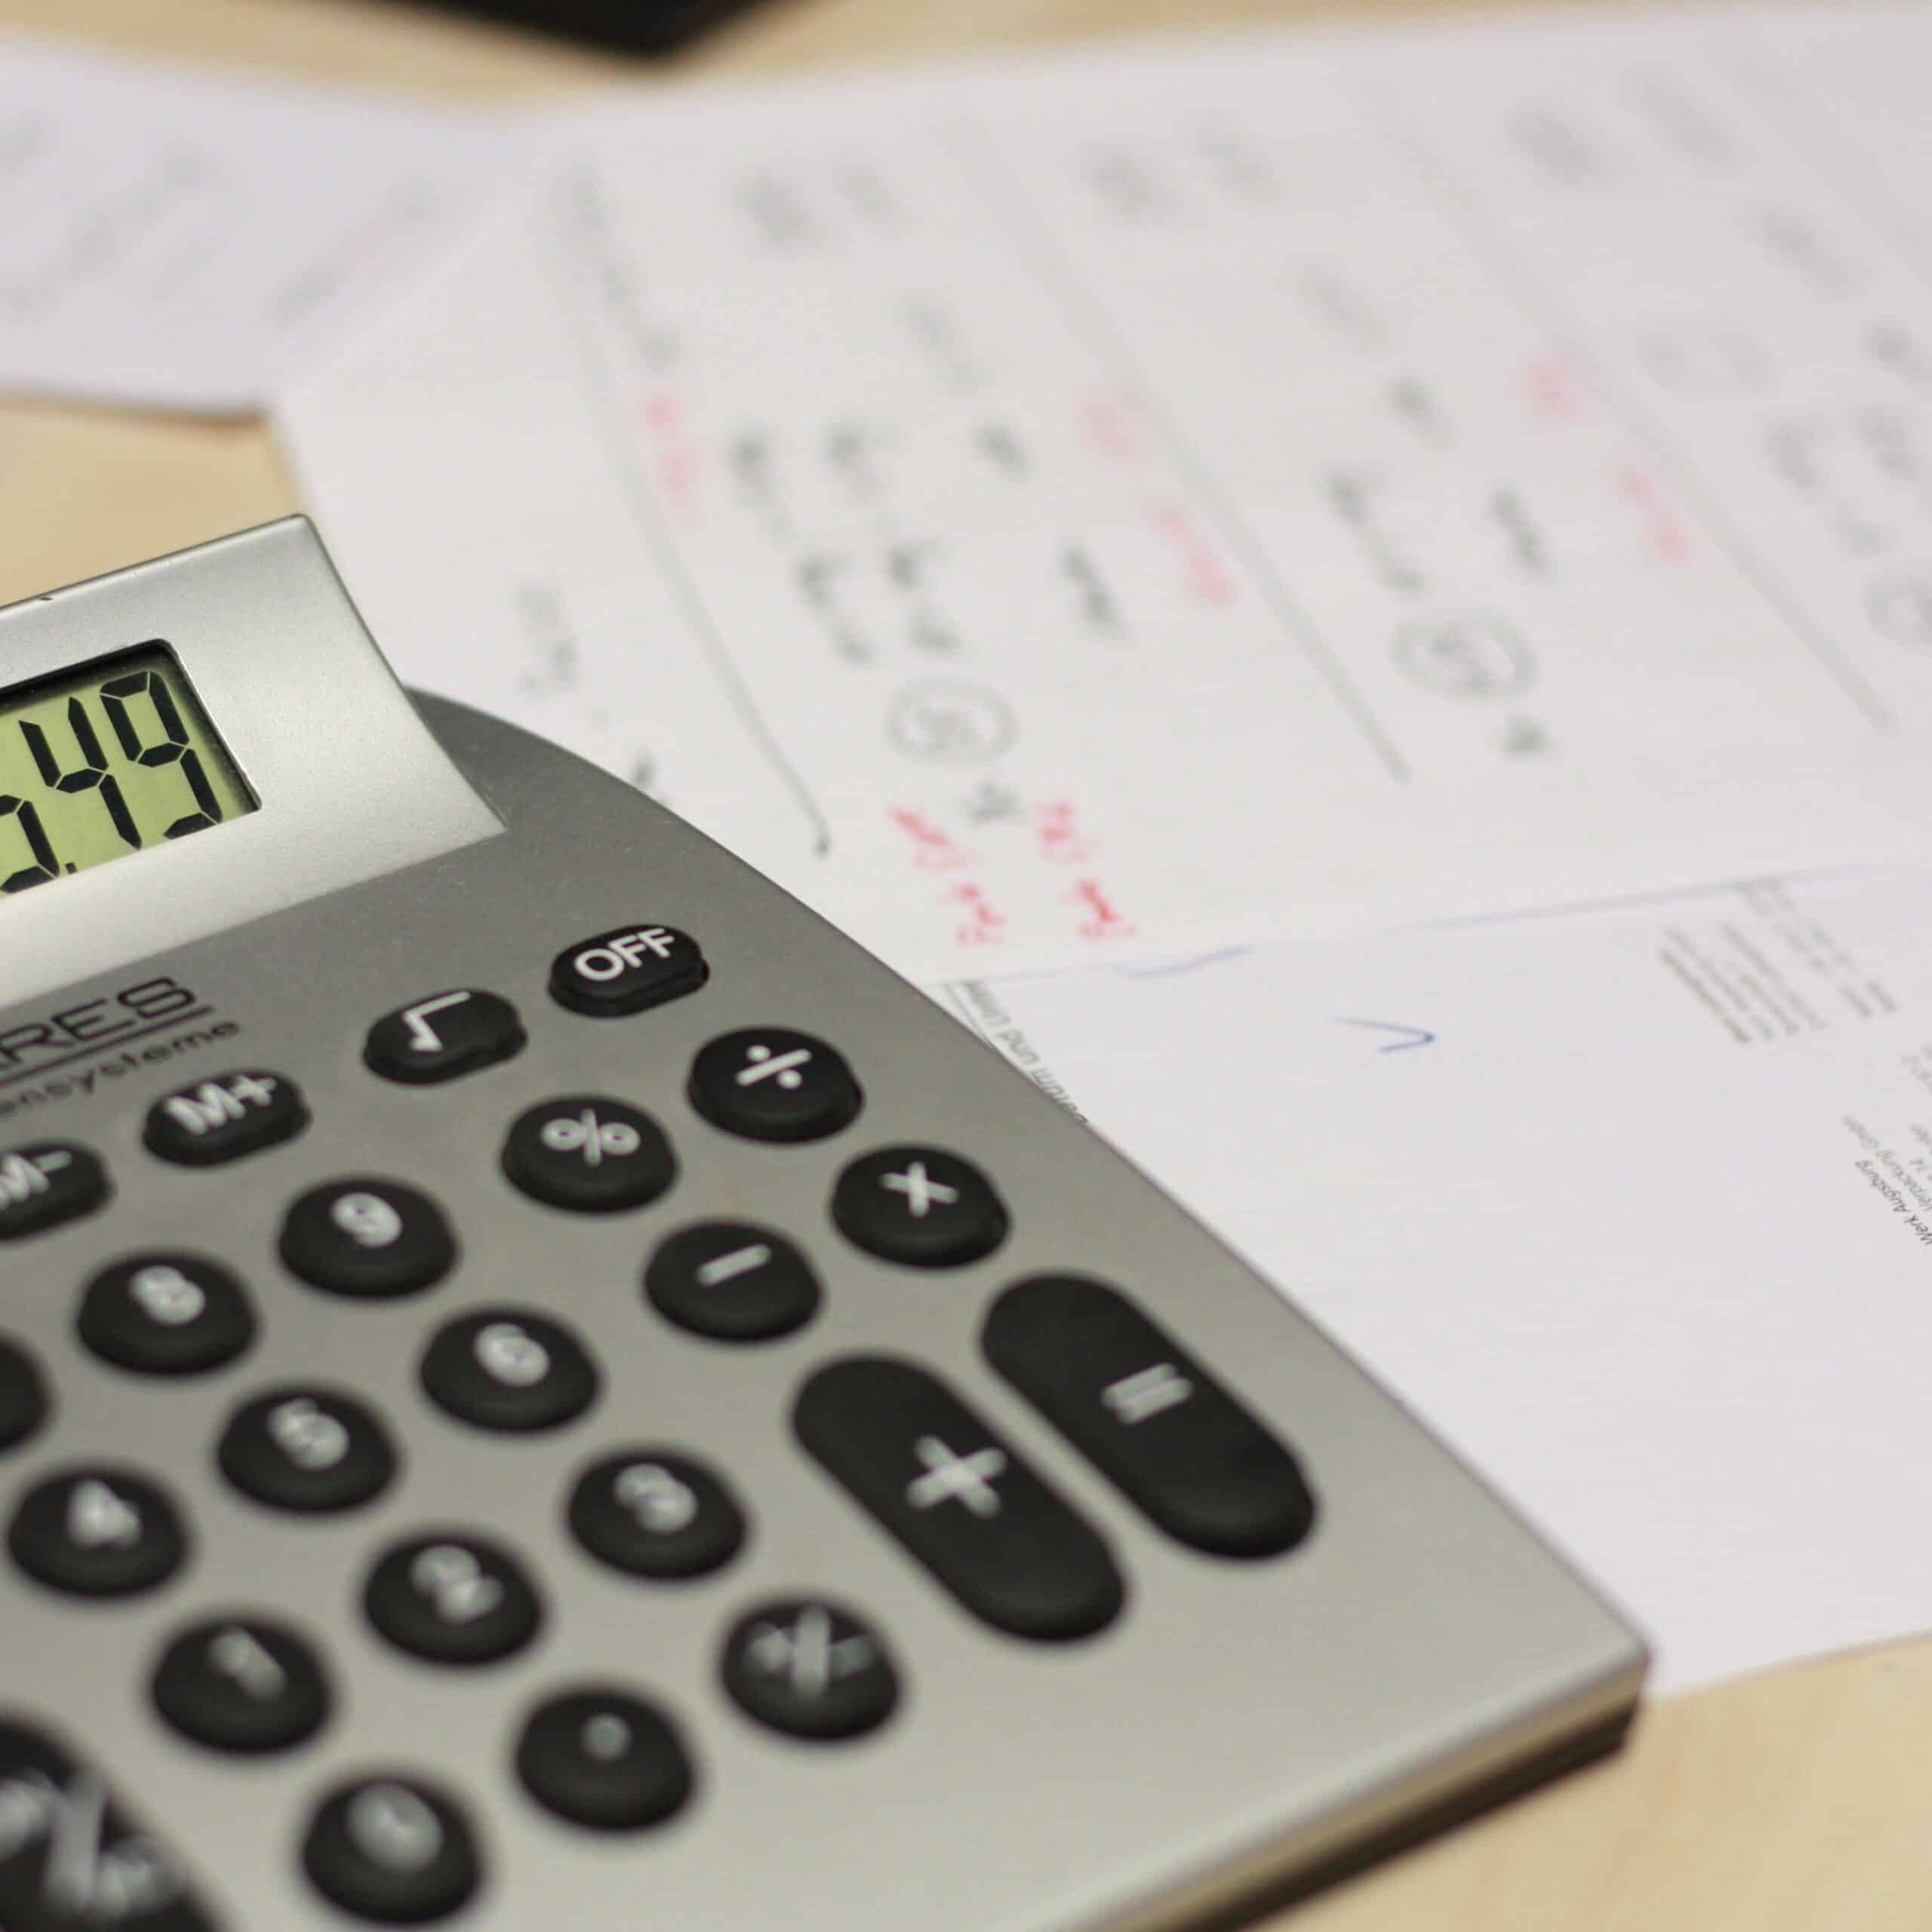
(541, 1385)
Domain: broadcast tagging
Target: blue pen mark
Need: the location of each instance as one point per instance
(1168, 969)
(1412, 1036)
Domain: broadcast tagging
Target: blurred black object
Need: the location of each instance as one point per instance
(640, 26)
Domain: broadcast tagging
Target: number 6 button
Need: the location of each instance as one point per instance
(367, 1238)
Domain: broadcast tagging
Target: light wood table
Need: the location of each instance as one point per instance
(1797, 1801)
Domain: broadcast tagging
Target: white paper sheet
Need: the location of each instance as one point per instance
(171, 238)
(1634, 1207)
(1135, 503)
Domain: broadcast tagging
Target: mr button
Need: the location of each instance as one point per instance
(223, 1119)
(627, 969)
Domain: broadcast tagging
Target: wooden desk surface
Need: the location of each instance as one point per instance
(1790, 1802)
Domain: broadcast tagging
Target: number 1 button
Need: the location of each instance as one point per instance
(444, 1036)
(367, 1238)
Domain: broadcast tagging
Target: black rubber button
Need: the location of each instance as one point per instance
(24, 1402)
(166, 1314)
(769, 1084)
(307, 1448)
(811, 1667)
(627, 969)
(241, 1683)
(602, 1757)
(1127, 1394)
(453, 1597)
(507, 1368)
(589, 1153)
(393, 1850)
(363, 1237)
(224, 1118)
(654, 1513)
(733, 1281)
(963, 1502)
(921, 1205)
(60, 1814)
(443, 1037)
(98, 1531)
(46, 1182)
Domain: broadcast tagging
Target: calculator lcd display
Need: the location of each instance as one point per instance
(110, 759)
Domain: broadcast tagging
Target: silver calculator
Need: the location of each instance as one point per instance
(540, 1386)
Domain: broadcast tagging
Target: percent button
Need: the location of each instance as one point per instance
(768, 1083)
(590, 1154)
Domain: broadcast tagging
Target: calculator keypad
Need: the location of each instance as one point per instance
(627, 969)
(98, 1531)
(601, 1757)
(23, 1398)
(811, 1667)
(453, 1597)
(224, 1118)
(732, 1282)
(510, 1369)
(395, 1849)
(444, 1036)
(45, 1183)
(589, 1154)
(920, 1207)
(655, 1513)
(166, 1314)
(243, 1684)
(307, 1449)
(768, 1083)
(367, 1238)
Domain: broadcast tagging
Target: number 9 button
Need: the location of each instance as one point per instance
(367, 1238)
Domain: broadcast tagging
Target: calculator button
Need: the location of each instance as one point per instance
(732, 1282)
(361, 1237)
(922, 1206)
(627, 969)
(54, 1807)
(224, 1118)
(24, 1402)
(307, 1448)
(590, 1154)
(393, 1850)
(1154, 1421)
(768, 1083)
(444, 1037)
(963, 1502)
(506, 1368)
(604, 1759)
(656, 1514)
(241, 1683)
(166, 1315)
(811, 1667)
(98, 1532)
(456, 1599)
(46, 1183)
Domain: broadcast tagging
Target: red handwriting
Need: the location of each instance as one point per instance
(1207, 578)
(1552, 390)
(1058, 830)
(1105, 920)
(1110, 427)
(1670, 535)
(674, 452)
(984, 924)
(933, 848)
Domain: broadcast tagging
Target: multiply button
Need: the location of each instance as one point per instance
(223, 1119)
(98, 1532)
(601, 1757)
(70, 1859)
(393, 1850)
(45, 1183)
(732, 1282)
(241, 1685)
(960, 1500)
(308, 1449)
(811, 1667)
(444, 1037)
(589, 1154)
(1154, 1421)
(656, 1514)
(507, 1368)
(453, 1598)
(769, 1084)
(922, 1206)
(166, 1315)
(367, 1238)
(23, 1398)
(627, 969)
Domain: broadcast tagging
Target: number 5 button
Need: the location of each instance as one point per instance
(367, 1238)
(444, 1036)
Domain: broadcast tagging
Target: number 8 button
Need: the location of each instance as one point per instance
(366, 1238)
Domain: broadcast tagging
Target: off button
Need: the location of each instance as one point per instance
(627, 969)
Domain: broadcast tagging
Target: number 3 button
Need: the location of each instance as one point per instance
(367, 1238)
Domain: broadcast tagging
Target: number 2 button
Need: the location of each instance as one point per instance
(367, 1238)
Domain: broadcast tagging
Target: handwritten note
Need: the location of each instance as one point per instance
(1135, 502)
(175, 239)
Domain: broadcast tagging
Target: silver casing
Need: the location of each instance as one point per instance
(1241, 1725)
